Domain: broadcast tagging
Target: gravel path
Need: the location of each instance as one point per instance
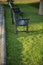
(2, 37)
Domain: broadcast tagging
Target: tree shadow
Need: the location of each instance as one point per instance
(14, 53)
(36, 5)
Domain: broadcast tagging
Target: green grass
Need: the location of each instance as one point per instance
(25, 48)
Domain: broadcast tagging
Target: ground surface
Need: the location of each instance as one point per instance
(2, 36)
(21, 1)
(25, 48)
(26, 1)
(1, 10)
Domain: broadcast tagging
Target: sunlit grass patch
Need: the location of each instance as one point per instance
(35, 26)
(31, 48)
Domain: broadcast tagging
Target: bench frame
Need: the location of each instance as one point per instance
(16, 19)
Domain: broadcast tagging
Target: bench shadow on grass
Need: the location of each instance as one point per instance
(35, 32)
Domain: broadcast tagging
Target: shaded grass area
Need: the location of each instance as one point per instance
(25, 48)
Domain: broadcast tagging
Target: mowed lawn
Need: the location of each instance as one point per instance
(25, 48)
